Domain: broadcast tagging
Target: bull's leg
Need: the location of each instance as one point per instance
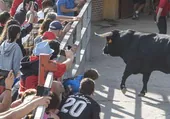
(122, 85)
(145, 82)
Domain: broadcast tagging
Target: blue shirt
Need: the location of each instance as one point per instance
(69, 4)
(74, 83)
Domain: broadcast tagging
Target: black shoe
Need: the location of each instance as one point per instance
(134, 17)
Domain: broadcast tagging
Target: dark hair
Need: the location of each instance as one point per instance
(44, 26)
(26, 2)
(51, 15)
(55, 45)
(87, 86)
(47, 10)
(27, 93)
(47, 3)
(4, 16)
(4, 32)
(91, 73)
(12, 32)
(54, 102)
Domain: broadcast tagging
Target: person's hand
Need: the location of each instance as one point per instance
(76, 18)
(9, 80)
(69, 54)
(74, 48)
(67, 28)
(53, 116)
(76, 9)
(42, 101)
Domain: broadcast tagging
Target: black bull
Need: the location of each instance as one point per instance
(142, 52)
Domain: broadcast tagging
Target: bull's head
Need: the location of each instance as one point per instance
(112, 46)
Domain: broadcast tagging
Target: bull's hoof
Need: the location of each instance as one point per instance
(124, 90)
(141, 94)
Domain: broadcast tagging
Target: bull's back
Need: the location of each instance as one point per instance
(152, 51)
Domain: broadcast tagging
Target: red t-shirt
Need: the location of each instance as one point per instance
(165, 5)
(31, 82)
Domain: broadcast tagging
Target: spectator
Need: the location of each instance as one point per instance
(53, 16)
(43, 28)
(55, 31)
(72, 85)
(49, 10)
(66, 7)
(29, 92)
(5, 97)
(25, 108)
(4, 17)
(31, 1)
(30, 67)
(3, 6)
(45, 4)
(81, 105)
(11, 54)
(16, 4)
(138, 6)
(52, 109)
(24, 31)
(161, 14)
(20, 16)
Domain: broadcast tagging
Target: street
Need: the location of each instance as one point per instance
(114, 104)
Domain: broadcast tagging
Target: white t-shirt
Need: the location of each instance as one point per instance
(40, 15)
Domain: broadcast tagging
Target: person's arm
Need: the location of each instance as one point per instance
(161, 5)
(67, 18)
(65, 10)
(65, 30)
(6, 102)
(158, 14)
(15, 4)
(69, 59)
(27, 108)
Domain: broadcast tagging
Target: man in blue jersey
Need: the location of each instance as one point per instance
(72, 85)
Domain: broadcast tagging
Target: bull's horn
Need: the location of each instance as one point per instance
(104, 35)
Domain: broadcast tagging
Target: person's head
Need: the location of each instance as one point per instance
(28, 92)
(4, 32)
(56, 27)
(13, 33)
(44, 26)
(26, 4)
(87, 86)
(55, 45)
(51, 15)
(35, 16)
(47, 3)
(42, 47)
(4, 17)
(54, 103)
(92, 73)
(48, 10)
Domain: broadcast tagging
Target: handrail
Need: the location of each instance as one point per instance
(79, 34)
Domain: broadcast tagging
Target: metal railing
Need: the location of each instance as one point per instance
(79, 34)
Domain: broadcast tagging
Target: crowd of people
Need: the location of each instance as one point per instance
(28, 29)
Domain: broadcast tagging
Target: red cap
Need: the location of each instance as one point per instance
(48, 35)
